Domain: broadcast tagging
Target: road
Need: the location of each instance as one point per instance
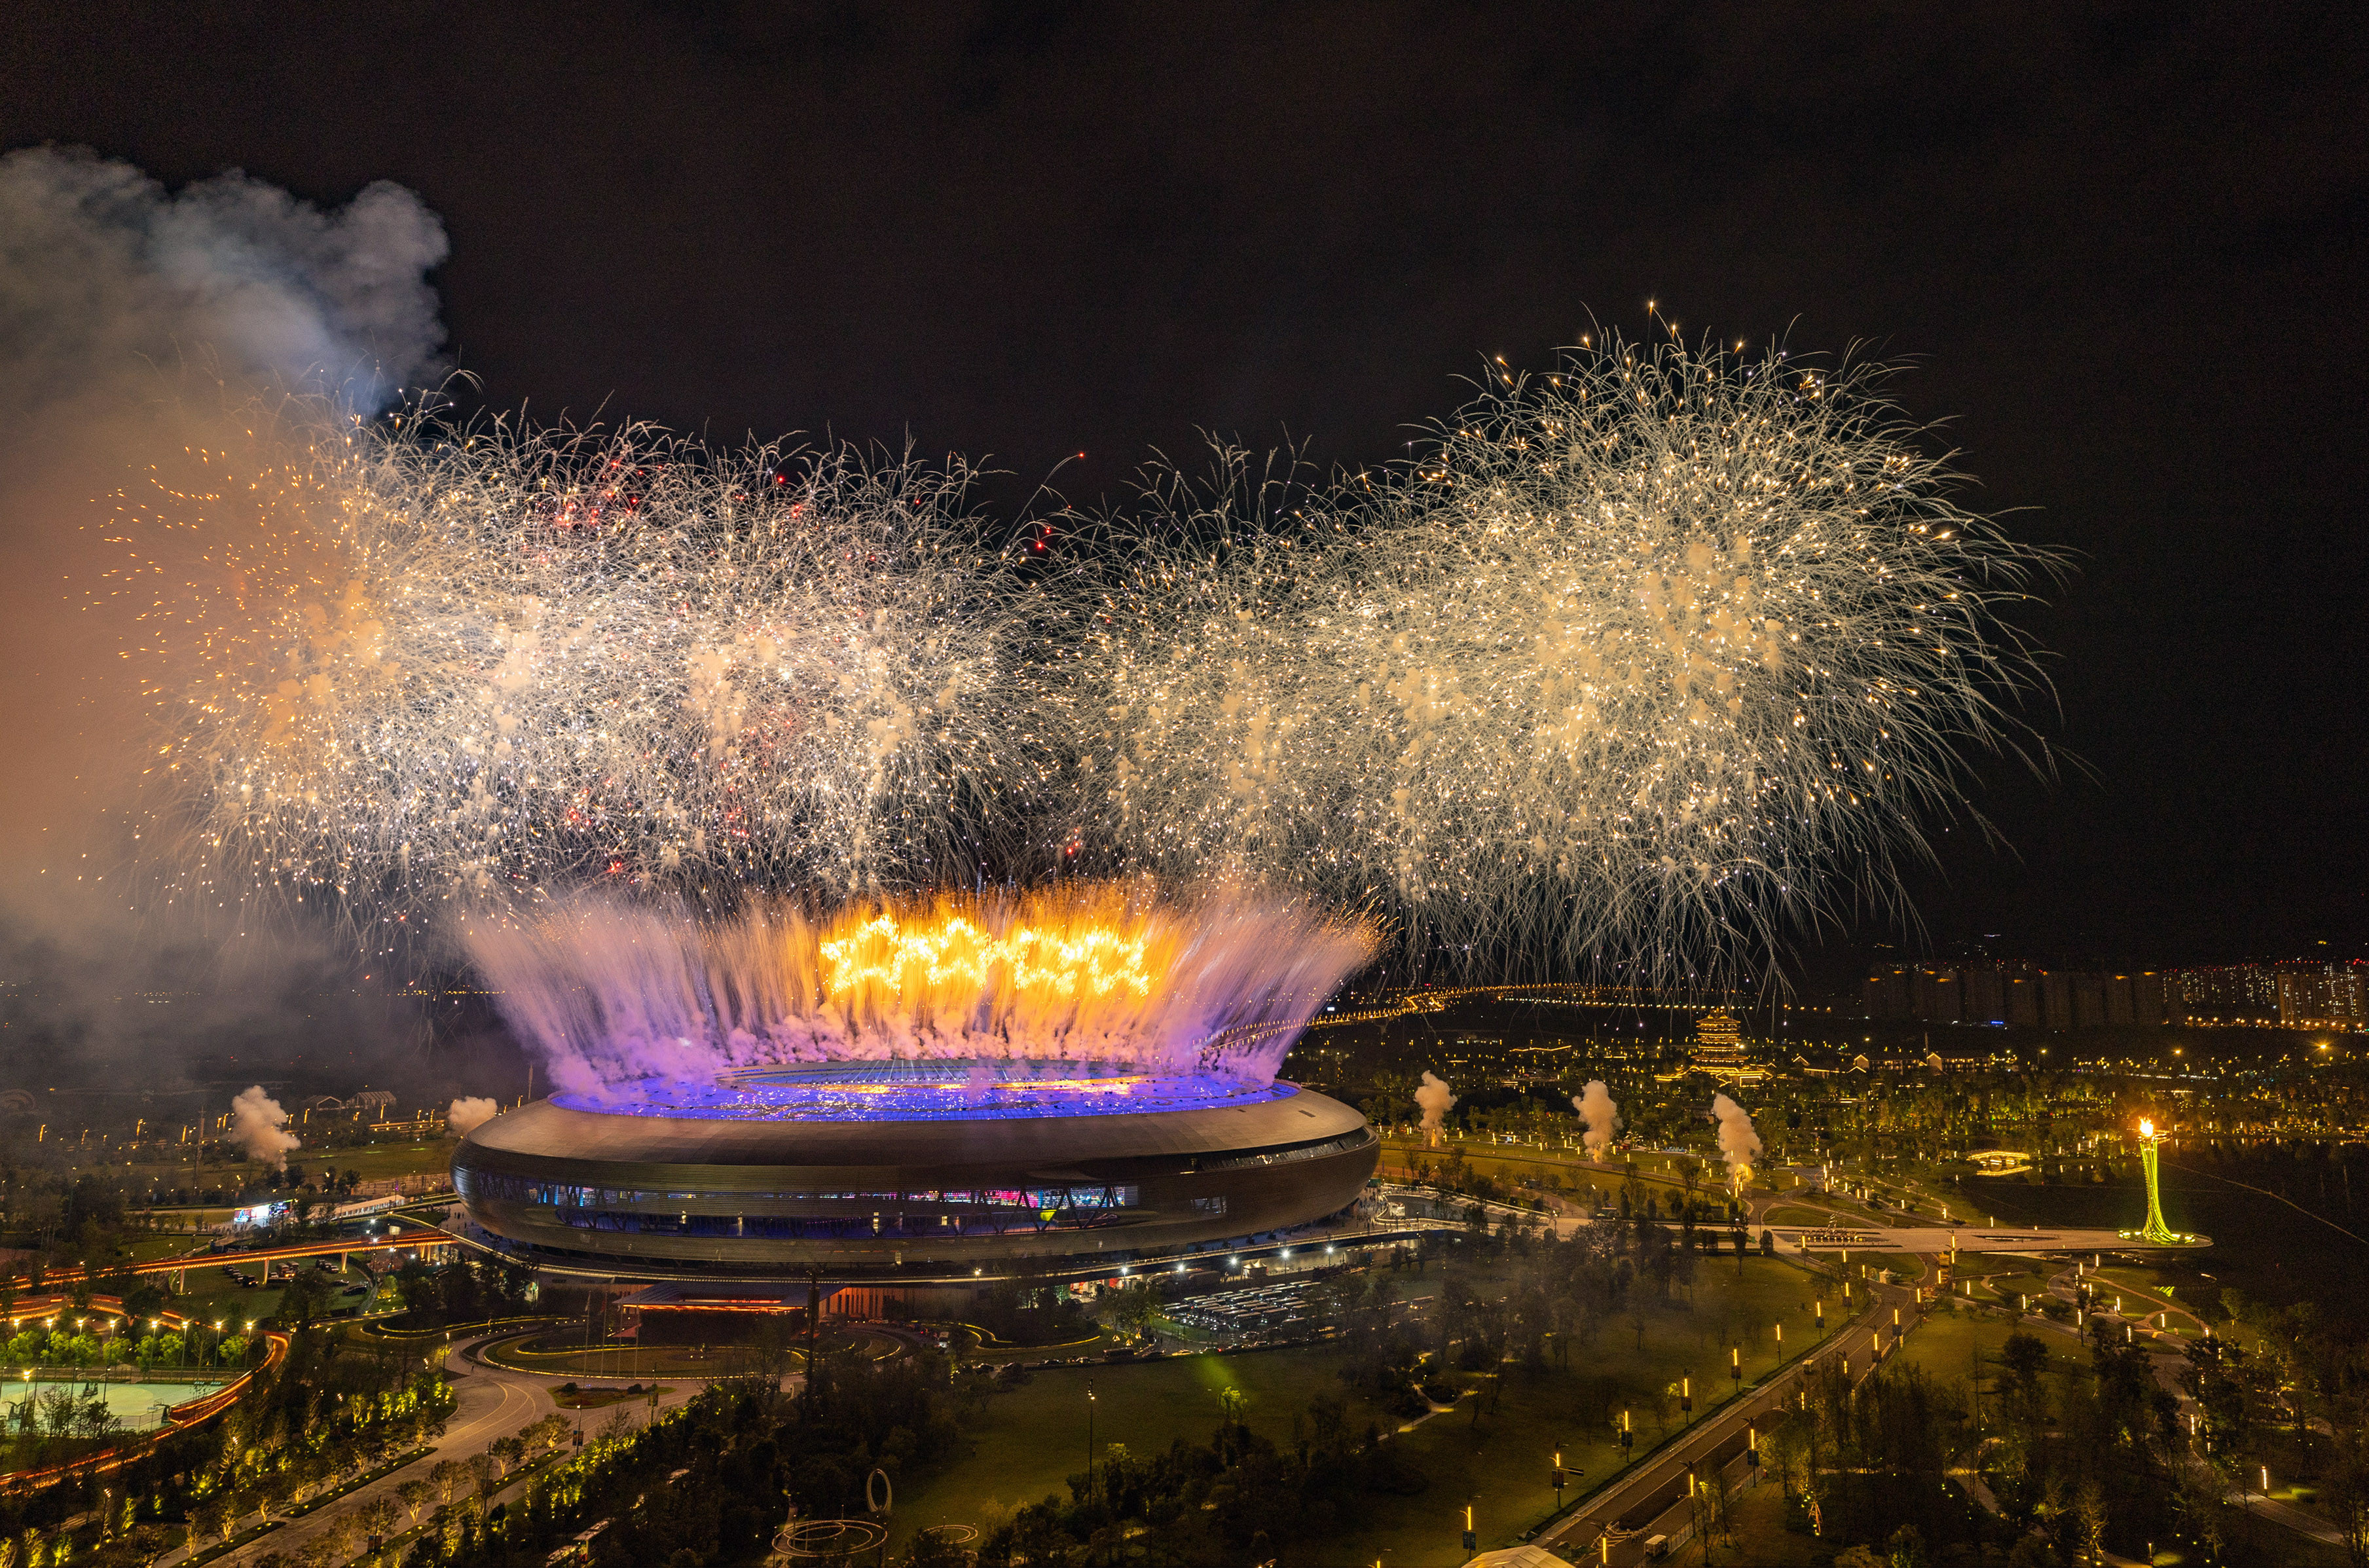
(495, 1402)
(1652, 1500)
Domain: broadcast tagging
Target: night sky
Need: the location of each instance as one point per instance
(2122, 246)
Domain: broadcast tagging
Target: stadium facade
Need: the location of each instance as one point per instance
(904, 1173)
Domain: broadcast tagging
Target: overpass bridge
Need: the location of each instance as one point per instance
(430, 1244)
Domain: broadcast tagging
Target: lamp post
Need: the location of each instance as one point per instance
(1090, 1437)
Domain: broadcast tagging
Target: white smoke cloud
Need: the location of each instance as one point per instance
(259, 1125)
(1737, 1142)
(142, 331)
(470, 1113)
(1602, 1115)
(1435, 1100)
(104, 274)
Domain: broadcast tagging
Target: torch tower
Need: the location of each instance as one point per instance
(2156, 1230)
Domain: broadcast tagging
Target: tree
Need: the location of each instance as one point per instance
(414, 1494)
(379, 1516)
(2345, 1483)
(447, 1477)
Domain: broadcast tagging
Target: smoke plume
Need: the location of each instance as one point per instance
(1737, 1142)
(105, 275)
(1602, 1117)
(470, 1113)
(259, 1125)
(140, 329)
(1435, 1100)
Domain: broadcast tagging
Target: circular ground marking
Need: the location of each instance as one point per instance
(829, 1538)
(954, 1535)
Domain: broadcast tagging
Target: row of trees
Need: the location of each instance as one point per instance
(329, 1412)
(200, 1349)
(702, 1485)
(2072, 1460)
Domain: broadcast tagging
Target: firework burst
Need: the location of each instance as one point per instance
(1637, 666)
(403, 668)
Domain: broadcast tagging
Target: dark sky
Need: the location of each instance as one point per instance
(2125, 245)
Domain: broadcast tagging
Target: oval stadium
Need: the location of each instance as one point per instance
(909, 1172)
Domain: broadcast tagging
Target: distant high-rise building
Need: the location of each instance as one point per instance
(2228, 994)
(2055, 999)
(1887, 993)
(1939, 995)
(2150, 999)
(2321, 996)
(2022, 983)
(1985, 993)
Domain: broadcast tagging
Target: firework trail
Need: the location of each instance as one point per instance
(1642, 665)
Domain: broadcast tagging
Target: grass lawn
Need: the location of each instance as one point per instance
(1032, 1438)
(2001, 1279)
(1757, 1521)
(2157, 1288)
(1945, 1345)
(376, 1161)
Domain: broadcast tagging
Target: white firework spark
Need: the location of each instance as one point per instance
(1641, 665)
(1637, 667)
(410, 670)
